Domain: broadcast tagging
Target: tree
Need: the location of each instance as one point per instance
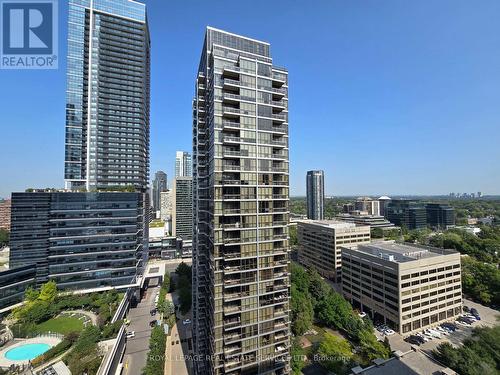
(334, 353)
(297, 360)
(4, 237)
(301, 311)
(318, 287)
(48, 291)
(31, 294)
(293, 235)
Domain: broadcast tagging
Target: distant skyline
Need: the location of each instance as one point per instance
(393, 98)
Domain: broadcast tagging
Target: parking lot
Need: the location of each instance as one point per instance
(488, 319)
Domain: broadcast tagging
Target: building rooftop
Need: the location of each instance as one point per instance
(400, 253)
(334, 224)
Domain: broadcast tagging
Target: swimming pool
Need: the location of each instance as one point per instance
(26, 352)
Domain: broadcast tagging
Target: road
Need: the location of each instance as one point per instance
(138, 347)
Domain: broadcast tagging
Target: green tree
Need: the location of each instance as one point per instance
(4, 237)
(31, 294)
(301, 311)
(48, 291)
(334, 353)
(297, 360)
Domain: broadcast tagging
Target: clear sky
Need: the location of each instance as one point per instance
(387, 96)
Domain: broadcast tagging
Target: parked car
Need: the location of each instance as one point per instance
(186, 321)
(415, 340)
(152, 323)
(389, 332)
(362, 314)
(130, 334)
(433, 333)
(442, 330)
(423, 337)
(465, 308)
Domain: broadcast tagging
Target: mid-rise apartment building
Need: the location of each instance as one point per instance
(241, 192)
(406, 286)
(182, 213)
(80, 240)
(367, 206)
(320, 243)
(315, 189)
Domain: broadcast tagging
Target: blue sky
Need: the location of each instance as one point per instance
(392, 97)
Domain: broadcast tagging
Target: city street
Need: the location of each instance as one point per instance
(138, 346)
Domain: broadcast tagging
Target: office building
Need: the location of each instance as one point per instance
(107, 97)
(183, 164)
(368, 206)
(372, 221)
(159, 186)
(241, 191)
(166, 205)
(182, 215)
(320, 243)
(406, 286)
(5, 214)
(440, 216)
(315, 186)
(406, 214)
(383, 203)
(13, 284)
(80, 240)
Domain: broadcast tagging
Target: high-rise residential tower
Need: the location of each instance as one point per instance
(182, 213)
(183, 164)
(107, 95)
(315, 184)
(159, 186)
(241, 270)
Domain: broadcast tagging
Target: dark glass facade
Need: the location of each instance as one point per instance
(80, 240)
(13, 284)
(407, 214)
(107, 97)
(440, 216)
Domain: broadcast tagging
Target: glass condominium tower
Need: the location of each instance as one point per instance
(107, 96)
(315, 186)
(241, 276)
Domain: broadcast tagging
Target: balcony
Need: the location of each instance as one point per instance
(279, 117)
(232, 323)
(230, 124)
(233, 82)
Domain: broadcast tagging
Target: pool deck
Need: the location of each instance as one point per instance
(4, 362)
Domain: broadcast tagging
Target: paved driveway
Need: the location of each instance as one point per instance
(138, 347)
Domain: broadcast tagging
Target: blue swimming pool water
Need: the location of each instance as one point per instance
(26, 352)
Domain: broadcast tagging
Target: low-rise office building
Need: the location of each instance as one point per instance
(372, 220)
(440, 216)
(320, 242)
(408, 287)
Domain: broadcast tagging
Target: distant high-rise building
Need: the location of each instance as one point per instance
(166, 205)
(315, 183)
(440, 216)
(80, 240)
(407, 214)
(183, 164)
(182, 215)
(5, 207)
(479, 194)
(159, 186)
(241, 276)
(368, 205)
(107, 96)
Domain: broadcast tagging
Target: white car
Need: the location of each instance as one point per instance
(389, 332)
(433, 333)
(130, 334)
(186, 321)
(362, 314)
(442, 330)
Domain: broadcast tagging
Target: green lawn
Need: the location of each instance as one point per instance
(62, 324)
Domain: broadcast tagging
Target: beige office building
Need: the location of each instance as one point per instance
(408, 287)
(320, 242)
